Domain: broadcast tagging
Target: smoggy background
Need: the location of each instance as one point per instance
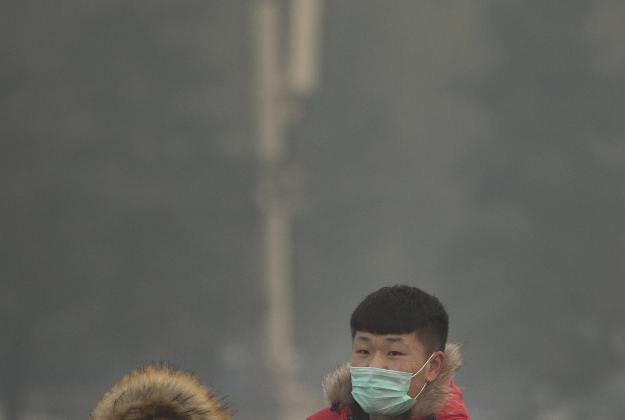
(473, 149)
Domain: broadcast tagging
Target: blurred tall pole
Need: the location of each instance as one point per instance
(287, 71)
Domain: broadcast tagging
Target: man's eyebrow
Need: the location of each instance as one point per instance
(394, 339)
(362, 338)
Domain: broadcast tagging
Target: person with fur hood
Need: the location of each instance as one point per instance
(401, 365)
(160, 393)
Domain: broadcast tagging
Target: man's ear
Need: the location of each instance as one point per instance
(435, 366)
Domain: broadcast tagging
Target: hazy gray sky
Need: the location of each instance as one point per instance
(474, 149)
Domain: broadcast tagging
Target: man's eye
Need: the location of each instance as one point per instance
(362, 351)
(394, 353)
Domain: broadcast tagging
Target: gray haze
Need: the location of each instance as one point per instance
(473, 149)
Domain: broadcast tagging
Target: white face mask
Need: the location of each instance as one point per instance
(383, 393)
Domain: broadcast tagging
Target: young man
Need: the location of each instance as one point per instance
(401, 365)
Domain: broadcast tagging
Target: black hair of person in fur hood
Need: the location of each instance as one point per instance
(402, 309)
(160, 393)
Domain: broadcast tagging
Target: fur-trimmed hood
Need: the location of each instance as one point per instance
(152, 391)
(338, 386)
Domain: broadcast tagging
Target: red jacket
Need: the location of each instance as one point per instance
(441, 397)
(453, 410)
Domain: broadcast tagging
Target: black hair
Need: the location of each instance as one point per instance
(403, 309)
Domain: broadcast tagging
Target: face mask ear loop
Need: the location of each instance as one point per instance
(426, 382)
(428, 361)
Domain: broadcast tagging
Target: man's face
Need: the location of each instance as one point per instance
(400, 352)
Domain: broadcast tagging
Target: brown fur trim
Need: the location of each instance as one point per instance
(437, 392)
(153, 391)
(338, 385)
